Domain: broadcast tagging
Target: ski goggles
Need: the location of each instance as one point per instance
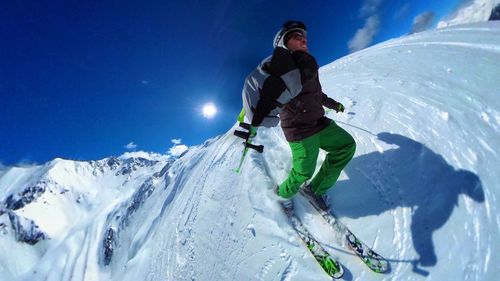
(297, 36)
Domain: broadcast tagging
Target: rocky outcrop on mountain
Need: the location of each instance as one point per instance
(28, 195)
(495, 13)
(25, 230)
(121, 217)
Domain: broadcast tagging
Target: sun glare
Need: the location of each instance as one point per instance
(209, 110)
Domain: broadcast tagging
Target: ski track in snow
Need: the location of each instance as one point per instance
(228, 262)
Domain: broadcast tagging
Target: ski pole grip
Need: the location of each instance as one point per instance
(241, 134)
(245, 125)
(258, 148)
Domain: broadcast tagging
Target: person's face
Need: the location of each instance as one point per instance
(297, 42)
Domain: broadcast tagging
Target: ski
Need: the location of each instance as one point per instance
(374, 261)
(328, 262)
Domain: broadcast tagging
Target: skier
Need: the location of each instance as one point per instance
(292, 85)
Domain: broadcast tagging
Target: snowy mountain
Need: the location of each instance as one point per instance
(53, 207)
(421, 190)
(471, 11)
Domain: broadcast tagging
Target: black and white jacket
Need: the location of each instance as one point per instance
(289, 86)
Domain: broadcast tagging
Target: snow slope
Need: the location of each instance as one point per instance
(422, 188)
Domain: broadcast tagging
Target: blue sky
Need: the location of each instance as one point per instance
(83, 80)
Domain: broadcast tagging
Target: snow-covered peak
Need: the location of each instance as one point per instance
(470, 12)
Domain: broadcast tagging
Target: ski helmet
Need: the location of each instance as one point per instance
(288, 28)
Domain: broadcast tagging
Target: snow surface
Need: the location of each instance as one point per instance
(422, 188)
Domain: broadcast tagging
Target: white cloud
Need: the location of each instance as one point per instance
(370, 7)
(364, 36)
(130, 146)
(143, 154)
(402, 11)
(177, 150)
(470, 12)
(422, 22)
(23, 163)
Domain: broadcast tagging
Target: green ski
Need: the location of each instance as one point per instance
(374, 261)
(328, 262)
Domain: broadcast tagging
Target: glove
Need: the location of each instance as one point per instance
(332, 104)
(339, 107)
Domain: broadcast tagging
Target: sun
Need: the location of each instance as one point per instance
(209, 110)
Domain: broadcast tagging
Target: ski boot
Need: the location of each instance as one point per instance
(320, 200)
(286, 203)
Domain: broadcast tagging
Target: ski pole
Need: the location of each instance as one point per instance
(245, 151)
(347, 124)
(247, 144)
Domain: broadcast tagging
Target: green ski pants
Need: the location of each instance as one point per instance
(340, 148)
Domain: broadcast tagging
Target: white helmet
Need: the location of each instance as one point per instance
(288, 28)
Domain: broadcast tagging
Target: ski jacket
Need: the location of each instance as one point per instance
(275, 82)
(293, 85)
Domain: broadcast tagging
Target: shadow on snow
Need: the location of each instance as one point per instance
(413, 176)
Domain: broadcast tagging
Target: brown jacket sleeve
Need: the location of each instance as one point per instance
(329, 102)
